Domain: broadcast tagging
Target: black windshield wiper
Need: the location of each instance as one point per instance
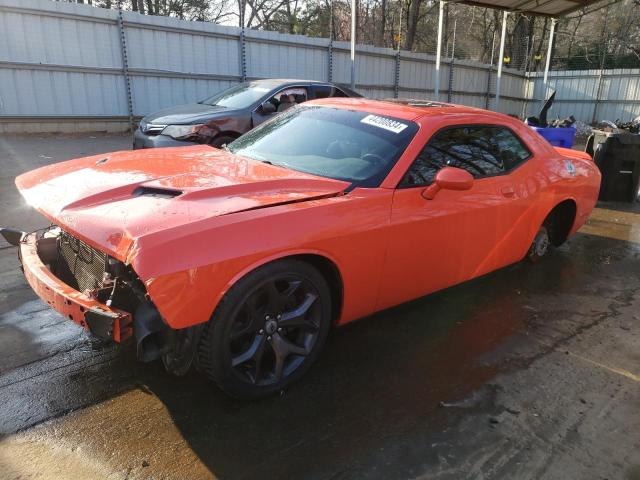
(202, 102)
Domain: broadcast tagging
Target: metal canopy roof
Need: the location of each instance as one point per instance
(548, 8)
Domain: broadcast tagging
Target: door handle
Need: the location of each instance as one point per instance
(508, 191)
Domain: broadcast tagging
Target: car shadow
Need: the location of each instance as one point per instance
(380, 381)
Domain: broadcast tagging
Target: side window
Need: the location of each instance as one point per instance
(483, 151)
(325, 91)
(289, 97)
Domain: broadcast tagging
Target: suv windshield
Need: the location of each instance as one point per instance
(240, 96)
(355, 146)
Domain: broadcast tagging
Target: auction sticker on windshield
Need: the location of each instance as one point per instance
(386, 123)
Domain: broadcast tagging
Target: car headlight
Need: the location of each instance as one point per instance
(182, 131)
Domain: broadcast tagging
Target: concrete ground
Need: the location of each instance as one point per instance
(531, 372)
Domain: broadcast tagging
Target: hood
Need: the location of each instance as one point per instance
(186, 114)
(112, 200)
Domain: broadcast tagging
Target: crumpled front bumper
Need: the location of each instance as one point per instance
(101, 320)
(142, 140)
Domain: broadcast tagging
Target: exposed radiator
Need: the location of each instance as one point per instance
(79, 265)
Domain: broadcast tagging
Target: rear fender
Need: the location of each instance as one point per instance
(573, 154)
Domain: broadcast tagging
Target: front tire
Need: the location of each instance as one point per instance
(268, 329)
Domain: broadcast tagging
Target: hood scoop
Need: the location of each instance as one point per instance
(156, 192)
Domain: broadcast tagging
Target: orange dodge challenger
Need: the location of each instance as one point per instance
(243, 258)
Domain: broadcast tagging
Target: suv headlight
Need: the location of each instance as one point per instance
(182, 131)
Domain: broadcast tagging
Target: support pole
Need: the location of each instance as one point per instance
(548, 60)
(438, 53)
(603, 61)
(525, 103)
(330, 47)
(505, 14)
(353, 44)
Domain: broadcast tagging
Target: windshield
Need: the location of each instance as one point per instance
(358, 147)
(240, 96)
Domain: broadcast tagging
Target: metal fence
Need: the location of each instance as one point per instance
(70, 67)
(74, 67)
(589, 95)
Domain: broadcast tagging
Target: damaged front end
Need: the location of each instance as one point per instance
(99, 293)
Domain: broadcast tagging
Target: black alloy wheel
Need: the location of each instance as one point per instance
(268, 329)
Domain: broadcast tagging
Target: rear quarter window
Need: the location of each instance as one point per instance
(326, 91)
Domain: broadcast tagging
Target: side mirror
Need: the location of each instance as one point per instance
(448, 178)
(267, 108)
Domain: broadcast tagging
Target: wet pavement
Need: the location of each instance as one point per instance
(529, 372)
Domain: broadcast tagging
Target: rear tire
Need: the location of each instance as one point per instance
(267, 330)
(541, 245)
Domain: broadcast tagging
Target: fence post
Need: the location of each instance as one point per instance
(525, 102)
(330, 61)
(396, 84)
(453, 54)
(450, 89)
(488, 95)
(602, 64)
(594, 118)
(125, 64)
(243, 56)
(243, 53)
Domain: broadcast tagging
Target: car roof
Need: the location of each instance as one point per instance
(285, 81)
(404, 109)
(290, 82)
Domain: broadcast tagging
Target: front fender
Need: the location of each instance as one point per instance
(189, 297)
(187, 275)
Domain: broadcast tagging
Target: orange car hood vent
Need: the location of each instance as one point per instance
(156, 192)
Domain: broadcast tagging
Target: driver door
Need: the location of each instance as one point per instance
(456, 236)
(281, 101)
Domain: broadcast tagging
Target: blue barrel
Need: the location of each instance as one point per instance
(558, 137)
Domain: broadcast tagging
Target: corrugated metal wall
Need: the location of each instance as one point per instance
(59, 64)
(62, 69)
(589, 95)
